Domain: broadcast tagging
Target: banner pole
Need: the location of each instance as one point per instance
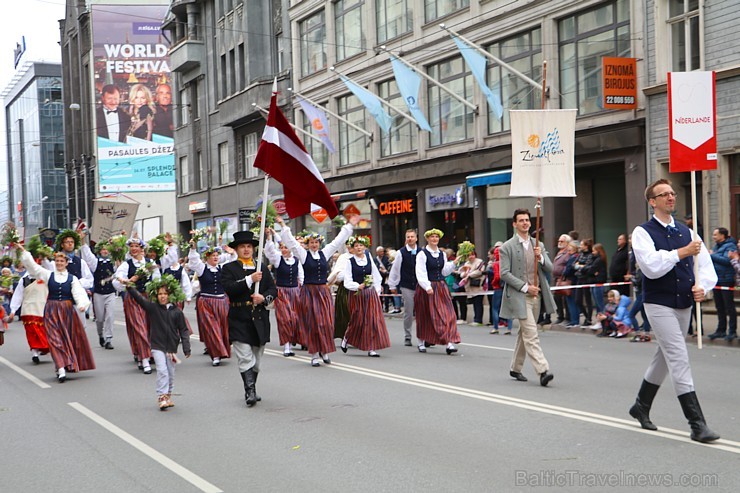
(696, 260)
(262, 230)
(539, 200)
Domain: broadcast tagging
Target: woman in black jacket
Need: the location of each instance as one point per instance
(597, 272)
(582, 267)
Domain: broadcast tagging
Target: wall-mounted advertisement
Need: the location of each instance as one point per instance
(133, 92)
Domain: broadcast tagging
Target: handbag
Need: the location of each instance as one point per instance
(563, 292)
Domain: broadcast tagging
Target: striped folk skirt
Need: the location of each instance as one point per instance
(286, 312)
(435, 315)
(35, 333)
(137, 328)
(68, 342)
(213, 325)
(341, 312)
(366, 330)
(317, 310)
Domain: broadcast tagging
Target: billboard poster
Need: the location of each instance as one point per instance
(133, 94)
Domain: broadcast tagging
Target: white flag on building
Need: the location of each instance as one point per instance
(543, 153)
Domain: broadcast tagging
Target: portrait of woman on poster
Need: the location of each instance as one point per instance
(142, 112)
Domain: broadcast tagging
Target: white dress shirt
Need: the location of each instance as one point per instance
(351, 285)
(655, 263)
(274, 256)
(421, 266)
(394, 278)
(38, 272)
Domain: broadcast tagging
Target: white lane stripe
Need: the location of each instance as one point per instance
(485, 347)
(599, 419)
(142, 447)
(24, 373)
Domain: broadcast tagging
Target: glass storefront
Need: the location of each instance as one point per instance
(499, 208)
(397, 214)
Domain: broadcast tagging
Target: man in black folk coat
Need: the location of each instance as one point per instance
(249, 320)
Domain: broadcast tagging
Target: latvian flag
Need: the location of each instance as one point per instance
(282, 155)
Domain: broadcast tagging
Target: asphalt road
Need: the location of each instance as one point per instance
(402, 422)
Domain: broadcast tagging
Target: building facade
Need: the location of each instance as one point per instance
(116, 43)
(37, 191)
(697, 35)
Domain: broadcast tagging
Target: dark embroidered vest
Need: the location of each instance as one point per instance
(408, 268)
(60, 292)
(673, 289)
(315, 271)
(103, 272)
(286, 276)
(434, 266)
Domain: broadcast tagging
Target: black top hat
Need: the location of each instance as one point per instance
(241, 237)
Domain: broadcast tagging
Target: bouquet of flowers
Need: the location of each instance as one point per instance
(167, 281)
(464, 250)
(339, 221)
(39, 249)
(118, 248)
(255, 218)
(201, 234)
(368, 281)
(9, 235)
(145, 272)
(7, 282)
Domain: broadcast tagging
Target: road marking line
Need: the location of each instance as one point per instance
(24, 373)
(599, 419)
(485, 347)
(142, 447)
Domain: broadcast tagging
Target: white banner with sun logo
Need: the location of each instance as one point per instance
(543, 153)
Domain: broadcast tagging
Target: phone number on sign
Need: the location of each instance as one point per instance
(620, 100)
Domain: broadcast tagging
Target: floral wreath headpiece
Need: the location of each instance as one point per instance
(67, 233)
(362, 240)
(102, 245)
(313, 236)
(168, 282)
(211, 250)
(137, 241)
(433, 231)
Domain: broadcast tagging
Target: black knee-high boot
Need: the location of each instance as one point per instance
(256, 374)
(249, 392)
(700, 432)
(640, 410)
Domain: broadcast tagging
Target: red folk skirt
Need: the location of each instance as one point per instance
(68, 342)
(137, 328)
(35, 333)
(366, 330)
(213, 325)
(435, 315)
(286, 312)
(317, 311)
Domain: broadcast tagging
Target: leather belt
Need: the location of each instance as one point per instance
(237, 304)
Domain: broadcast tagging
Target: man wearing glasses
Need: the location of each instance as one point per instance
(666, 252)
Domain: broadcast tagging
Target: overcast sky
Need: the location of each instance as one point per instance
(38, 21)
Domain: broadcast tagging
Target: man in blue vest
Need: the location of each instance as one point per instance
(104, 294)
(666, 252)
(403, 273)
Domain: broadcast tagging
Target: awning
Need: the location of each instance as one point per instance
(491, 178)
(347, 196)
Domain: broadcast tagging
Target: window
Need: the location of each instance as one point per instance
(184, 106)
(201, 176)
(224, 79)
(434, 9)
(352, 144)
(250, 143)
(313, 37)
(280, 52)
(403, 134)
(393, 18)
(184, 175)
(318, 151)
(524, 53)
(223, 163)
(585, 38)
(242, 61)
(194, 98)
(683, 24)
(348, 24)
(451, 121)
(232, 72)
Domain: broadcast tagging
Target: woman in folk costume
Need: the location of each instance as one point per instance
(68, 342)
(435, 315)
(137, 270)
(30, 296)
(212, 307)
(341, 301)
(288, 273)
(316, 304)
(366, 330)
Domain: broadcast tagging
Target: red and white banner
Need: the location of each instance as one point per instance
(543, 153)
(692, 120)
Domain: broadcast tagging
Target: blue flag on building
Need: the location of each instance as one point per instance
(477, 64)
(319, 124)
(371, 102)
(408, 83)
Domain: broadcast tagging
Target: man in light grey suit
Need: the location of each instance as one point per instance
(521, 295)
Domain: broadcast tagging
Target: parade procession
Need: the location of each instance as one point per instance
(370, 245)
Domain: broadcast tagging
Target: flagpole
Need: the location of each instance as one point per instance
(382, 101)
(464, 101)
(262, 230)
(538, 207)
(307, 134)
(483, 52)
(338, 117)
(696, 259)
